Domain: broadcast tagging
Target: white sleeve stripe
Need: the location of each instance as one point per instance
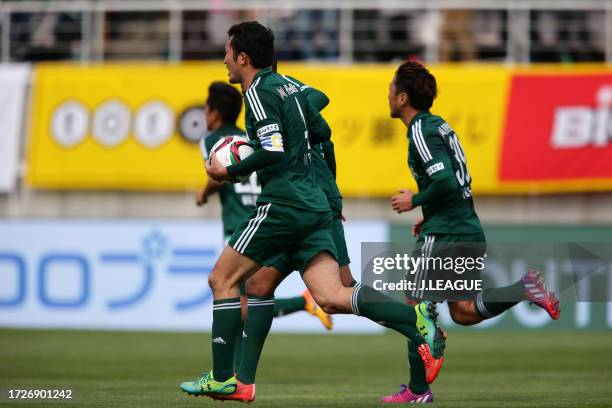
(301, 113)
(253, 106)
(257, 109)
(425, 148)
(416, 140)
(256, 99)
(418, 137)
(263, 112)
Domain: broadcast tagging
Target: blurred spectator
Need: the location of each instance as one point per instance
(305, 34)
(568, 36)
(205, 32)
(378, 34)
(318, 30)
(457, 36)
(142, 35)
(490, 34)
(45, 36)
(365, 32)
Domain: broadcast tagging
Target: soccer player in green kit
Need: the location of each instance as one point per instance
(292, 218)
(439, 166)
(238, 200)
(264, 282)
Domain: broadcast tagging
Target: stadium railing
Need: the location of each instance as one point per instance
(347, 30)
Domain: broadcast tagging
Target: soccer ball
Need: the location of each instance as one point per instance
(231, 150)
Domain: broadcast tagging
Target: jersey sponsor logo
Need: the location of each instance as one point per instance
(559, 127)
(272, 143)
(434, 168)
(267, 129)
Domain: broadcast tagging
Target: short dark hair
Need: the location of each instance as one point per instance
(226, 99)
(254, 40)
(418, 83)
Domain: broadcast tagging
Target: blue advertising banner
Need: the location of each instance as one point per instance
(131, 275)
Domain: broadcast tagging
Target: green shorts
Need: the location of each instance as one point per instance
(449, 254)
(275, 230)
(285, 267)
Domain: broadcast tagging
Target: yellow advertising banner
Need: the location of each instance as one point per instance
(116, 126)
(136, 126)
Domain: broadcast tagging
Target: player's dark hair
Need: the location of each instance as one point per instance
(418, 83)
(254, 40)
(226, 99)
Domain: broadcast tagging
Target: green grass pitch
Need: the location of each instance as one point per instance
(483, 369)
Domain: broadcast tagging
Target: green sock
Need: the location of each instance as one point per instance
(256, 327)
(492, 302)
(386, 311)
(285, 306)
(226, 325)
(418, 381)
(238, 347)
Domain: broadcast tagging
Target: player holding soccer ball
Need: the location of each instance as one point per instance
(449, 221)
(221, 110)
(292, 218)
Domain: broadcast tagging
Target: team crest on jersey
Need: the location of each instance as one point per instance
(281, 92)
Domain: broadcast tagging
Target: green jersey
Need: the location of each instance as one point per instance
(324, 161)
(435, 154)
(280, 117)
(237, 200)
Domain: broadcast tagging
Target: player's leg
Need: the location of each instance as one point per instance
(346, 277)
(285, 306)
(417, 387)
(492, 302)
(260, 288)
(248, 249)
(289, 305)
(316, 258)
(323, 280)
(224, 280)
(260, 291)
(243, 312)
